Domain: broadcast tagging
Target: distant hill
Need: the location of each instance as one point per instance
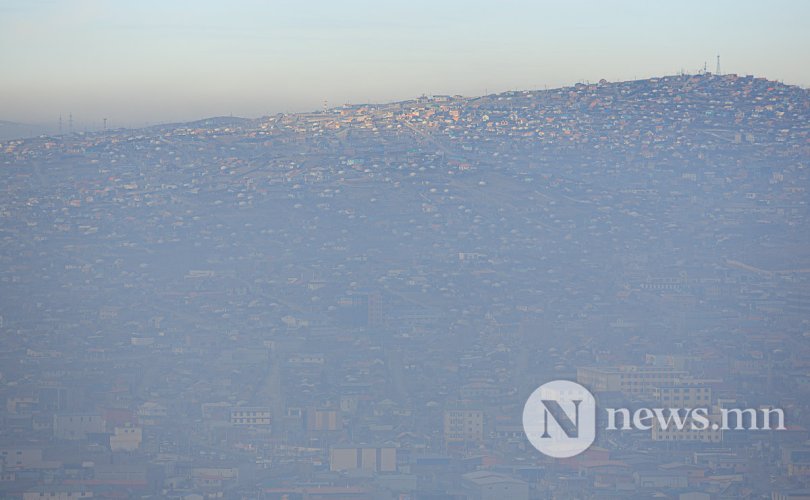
(441, 235)
(212, 122)
(411, 258)
(14, 130)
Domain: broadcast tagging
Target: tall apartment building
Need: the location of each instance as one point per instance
(683, 396)
(463, 425)
(251, 416)
(686, 397)
(631, 380)
(712, 433)
(76, 426)
(363, 457)
(323, 419)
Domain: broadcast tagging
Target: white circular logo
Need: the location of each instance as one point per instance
(560, 419)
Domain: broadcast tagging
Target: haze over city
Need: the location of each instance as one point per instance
(423, 251)
(151, 61)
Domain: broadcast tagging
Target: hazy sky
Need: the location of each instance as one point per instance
(138, 61)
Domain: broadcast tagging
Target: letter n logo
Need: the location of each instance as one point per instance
(555, 411)
(559, 419)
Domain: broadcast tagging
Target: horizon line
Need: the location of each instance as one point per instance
(148, 125)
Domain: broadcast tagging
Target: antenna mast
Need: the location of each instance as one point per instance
(717, 71)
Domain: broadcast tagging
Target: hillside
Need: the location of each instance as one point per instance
(643, 213)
